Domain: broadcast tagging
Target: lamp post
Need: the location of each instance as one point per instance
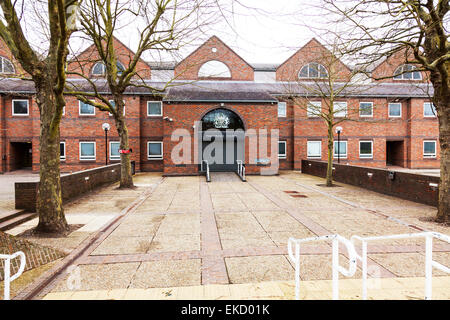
(106, 128)
(338, 131)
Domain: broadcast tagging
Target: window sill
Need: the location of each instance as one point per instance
(155, 158)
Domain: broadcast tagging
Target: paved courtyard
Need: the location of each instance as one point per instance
(180, 237)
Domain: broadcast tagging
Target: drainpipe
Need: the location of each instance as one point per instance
(3, 132)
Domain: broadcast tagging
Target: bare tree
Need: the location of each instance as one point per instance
(48, 74)
(163, 25)
(377, 29)
(321, 87)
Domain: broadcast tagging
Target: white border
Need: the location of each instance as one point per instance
(389, 109)
(346, 149)
(314, 157)
(309, 115)
(95, 150)
(155, 157)
(20, 114)
(435, 149)
(369, 156)
(154, 115)
(363, 115)
(85, 114)
(124, 107)
(403, 73)
(65, 151)
(336, 113)
(280, 156)
(285, 109)
(111, 157)
(425, 116)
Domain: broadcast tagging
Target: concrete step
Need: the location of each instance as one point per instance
(16, 220)
(4, 216)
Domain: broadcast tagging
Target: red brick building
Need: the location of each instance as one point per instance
(218, 89)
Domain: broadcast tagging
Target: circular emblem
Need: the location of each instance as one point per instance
(221, 121)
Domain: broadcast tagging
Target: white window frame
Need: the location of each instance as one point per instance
(280, 103)
(316, 104)
(336, 114)
(111, 157)
(282, 156)
(2, 70)
(432, 107)
(62, 158)
(110, 114)
(154, 115)
(21, 114)
(95, 151)
(371, 109)
(335, 155)
(85, 114)
(64, 111)
(366, 156)
(158, 157)
(430, 156)
(402, 73)
(389, 109)
(320, 150)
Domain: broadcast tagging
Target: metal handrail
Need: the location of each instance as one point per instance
(429, 262)
(8, 278)
(336, 268)
(241, 169)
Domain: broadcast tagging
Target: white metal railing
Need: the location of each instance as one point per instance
(429, 262)
(336, 268)
(208, 177)
(241, 169)
(8, 278)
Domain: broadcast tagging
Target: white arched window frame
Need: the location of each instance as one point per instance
(214, 69)
(407, 72)
(6, 66)
(313, 70)
(99, 69)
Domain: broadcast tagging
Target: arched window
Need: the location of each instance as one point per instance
(214, 69)
(407, 72)
(313, 70)
(6, 66)
(99, 69)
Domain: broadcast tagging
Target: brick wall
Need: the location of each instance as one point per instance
(35, 255)
(72, 185)
(408, 186)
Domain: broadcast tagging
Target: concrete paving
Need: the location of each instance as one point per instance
(189, 238)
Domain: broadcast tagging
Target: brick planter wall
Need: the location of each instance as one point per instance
(414, 187)
(72, 185)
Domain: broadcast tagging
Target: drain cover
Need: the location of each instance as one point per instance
(291, 191)
(298, 196)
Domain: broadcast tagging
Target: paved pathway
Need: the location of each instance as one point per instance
(181, 232)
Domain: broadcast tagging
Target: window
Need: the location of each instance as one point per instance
(281, 149)
(62, 151)
(366, 109)
(313, 109)
(429, 149)
(87, 150)
(313, 70)
(99, 69)
(154, 108)
(20, 107)
(366, 149)
(429, 110)
(155, 150)
(86, 109)
(6, 66)
(281, 109)
(214, 69)
(314, 149)
(113, 104)
(395, 110)
(406, 72)
(340, 109)
(114, 147)
(341, 148)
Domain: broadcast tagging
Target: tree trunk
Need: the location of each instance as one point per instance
(442, 101)
(49, 199)
(330, 156)
(126, 177)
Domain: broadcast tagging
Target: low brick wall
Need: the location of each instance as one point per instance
(35, 255)
(409, 186)
(72, 185)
